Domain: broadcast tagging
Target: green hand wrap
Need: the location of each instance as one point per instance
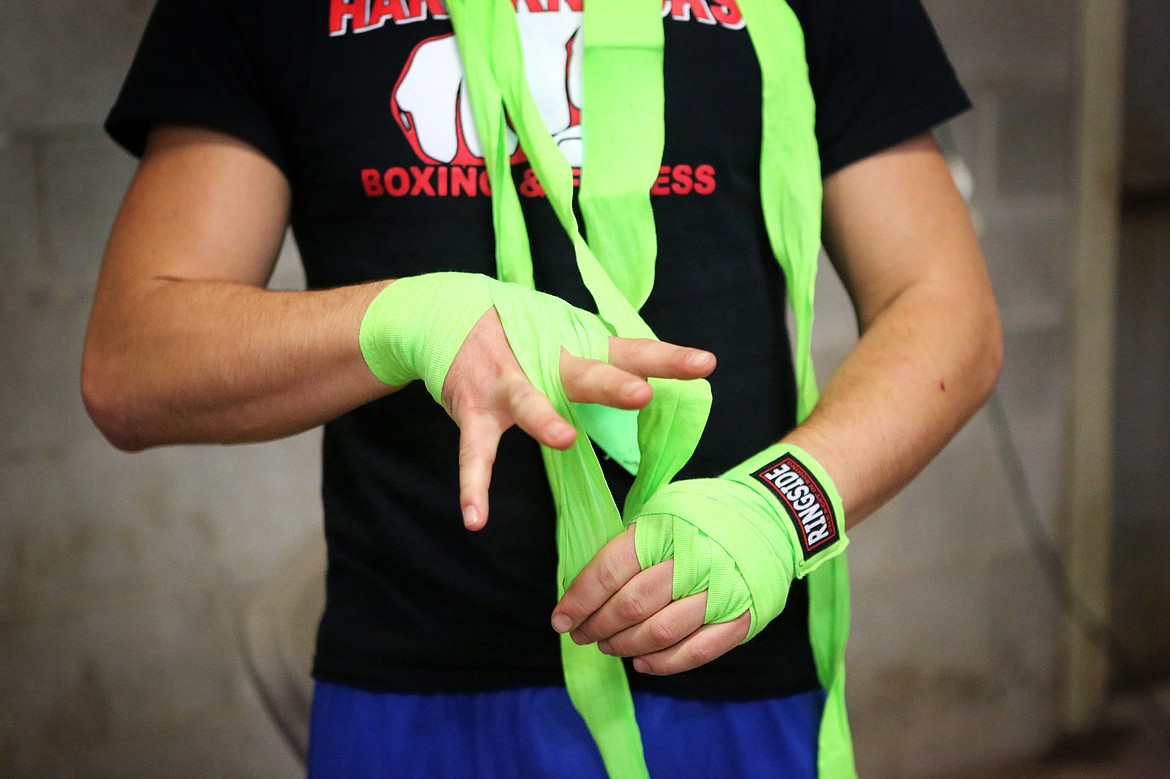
(414, 328)
(745, 536)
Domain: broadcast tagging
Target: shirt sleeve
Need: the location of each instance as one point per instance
(205, 62)
(879, 75)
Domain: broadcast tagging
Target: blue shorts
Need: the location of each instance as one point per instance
(535, 732)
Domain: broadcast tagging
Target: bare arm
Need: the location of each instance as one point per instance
(185, 345)
(900, 237)
(929, 354)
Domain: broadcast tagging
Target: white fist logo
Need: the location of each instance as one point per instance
(430, 100)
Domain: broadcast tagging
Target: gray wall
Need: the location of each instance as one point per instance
(1141, 579)
(955, 651)
(121, 577)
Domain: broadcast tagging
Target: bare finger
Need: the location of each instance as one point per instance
(535, 415)
(593, 381)
(646, 357)
(643, 596)
(605, 574)
(479, 437)
(700, 648)
(664, 629)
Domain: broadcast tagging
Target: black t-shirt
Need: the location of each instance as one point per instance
(360, 105)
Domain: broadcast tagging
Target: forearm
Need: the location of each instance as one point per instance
(185, 344)
(201, 361)
(916, 376)
(900, 236)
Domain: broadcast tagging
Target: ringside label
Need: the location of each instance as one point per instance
(804, 499)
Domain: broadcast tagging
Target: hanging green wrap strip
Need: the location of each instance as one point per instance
(587, 516)
(790, 193)
(623, 141)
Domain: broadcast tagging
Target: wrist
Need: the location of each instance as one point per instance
(800, 496)
(415, 326)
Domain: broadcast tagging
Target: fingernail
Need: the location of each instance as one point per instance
(470, 516)
(699, 359)
(642, 667)
(604, 647)
(561, 623)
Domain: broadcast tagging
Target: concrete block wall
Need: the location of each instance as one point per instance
(121, 576)
(954, 657)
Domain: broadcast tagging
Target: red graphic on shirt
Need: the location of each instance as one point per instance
(357, 16)
(430, 104)
(365, 15)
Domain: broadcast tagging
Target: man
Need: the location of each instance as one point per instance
(350, 120)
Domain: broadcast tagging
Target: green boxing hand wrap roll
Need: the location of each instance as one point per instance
(745, 536)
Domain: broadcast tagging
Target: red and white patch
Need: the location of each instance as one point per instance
(805, 501)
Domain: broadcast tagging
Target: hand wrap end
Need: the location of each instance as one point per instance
(801, 497)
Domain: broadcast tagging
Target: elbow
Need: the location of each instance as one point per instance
(990, 354)
(108, 403)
